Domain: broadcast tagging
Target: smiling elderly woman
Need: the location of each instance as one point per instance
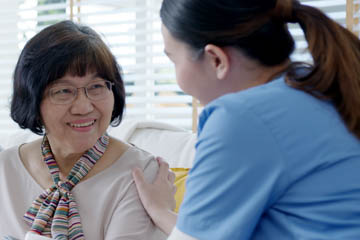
(68, 88)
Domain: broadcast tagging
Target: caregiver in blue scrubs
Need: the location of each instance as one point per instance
(278, 151)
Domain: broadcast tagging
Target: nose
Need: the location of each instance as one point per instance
(82, 105)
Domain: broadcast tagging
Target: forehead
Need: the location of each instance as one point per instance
(174, 47)
(75, 80)
(169, 41)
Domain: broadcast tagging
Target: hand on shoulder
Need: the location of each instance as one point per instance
(158, 197)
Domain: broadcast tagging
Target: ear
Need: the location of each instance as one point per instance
(219, 60)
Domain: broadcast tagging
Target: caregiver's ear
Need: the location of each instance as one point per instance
(218, 59)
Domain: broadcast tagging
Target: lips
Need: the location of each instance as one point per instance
(82, 124)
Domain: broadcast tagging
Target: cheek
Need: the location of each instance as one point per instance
(108, 107)
(51, 118)
(183, 77)
(47, 113)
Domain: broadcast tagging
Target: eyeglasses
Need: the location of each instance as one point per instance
(94, 91)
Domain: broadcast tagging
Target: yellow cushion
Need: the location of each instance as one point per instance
(180, 179)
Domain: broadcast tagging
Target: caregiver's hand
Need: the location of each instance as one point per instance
(158, 197)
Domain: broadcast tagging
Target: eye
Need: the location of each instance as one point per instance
(96, 89)
(98, 85)
(62, 91)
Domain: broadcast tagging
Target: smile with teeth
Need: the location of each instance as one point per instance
(80, 125)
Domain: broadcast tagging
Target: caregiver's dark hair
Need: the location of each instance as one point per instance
(258, 28)
(60, 49)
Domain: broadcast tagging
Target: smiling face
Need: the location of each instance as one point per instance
(76, 126)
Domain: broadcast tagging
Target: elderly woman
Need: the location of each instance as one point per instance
(75, 182)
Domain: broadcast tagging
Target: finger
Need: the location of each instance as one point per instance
(139, 178)
(174, 189)
(159, 159)
(163, 171)
(171, 176)
(173, 205)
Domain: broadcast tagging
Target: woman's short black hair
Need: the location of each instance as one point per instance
(60, 49)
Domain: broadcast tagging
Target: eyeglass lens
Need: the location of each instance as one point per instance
(94, 91)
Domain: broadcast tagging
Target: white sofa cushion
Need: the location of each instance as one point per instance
(175, 145)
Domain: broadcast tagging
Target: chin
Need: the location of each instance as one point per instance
(83, 144)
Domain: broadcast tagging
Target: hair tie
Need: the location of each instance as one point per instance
(284, 10)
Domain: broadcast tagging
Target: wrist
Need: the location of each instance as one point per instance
(165, 219)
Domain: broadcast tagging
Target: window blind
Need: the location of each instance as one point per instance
(131, 28)
(335, 9)
(353, 16)
(9, 51)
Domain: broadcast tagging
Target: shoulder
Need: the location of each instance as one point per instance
(250, 124)
(129, 153)
(232, 115)
(275, 93)
(30, 150)
(275, 106)
(233, 132)
(9, 154)
(145, 160)
(234, 105)
(132, 156)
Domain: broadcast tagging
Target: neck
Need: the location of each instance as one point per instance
(64, 159)
(253, 74)
(66, 162)
(243, 73)
(267, 74)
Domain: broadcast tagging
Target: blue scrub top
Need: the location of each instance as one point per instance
(273, 162)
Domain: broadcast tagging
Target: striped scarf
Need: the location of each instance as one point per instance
(55, 213)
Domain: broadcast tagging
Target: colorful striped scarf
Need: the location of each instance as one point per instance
(55, 213)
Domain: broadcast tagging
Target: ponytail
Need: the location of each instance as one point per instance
(335, 75)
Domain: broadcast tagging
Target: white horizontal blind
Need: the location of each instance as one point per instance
(132, 30)
(353, 16)
(336, 9)
(356, 16)
(9, 51)
(19, 21)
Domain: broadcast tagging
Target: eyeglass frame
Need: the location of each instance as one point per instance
(108, 84)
